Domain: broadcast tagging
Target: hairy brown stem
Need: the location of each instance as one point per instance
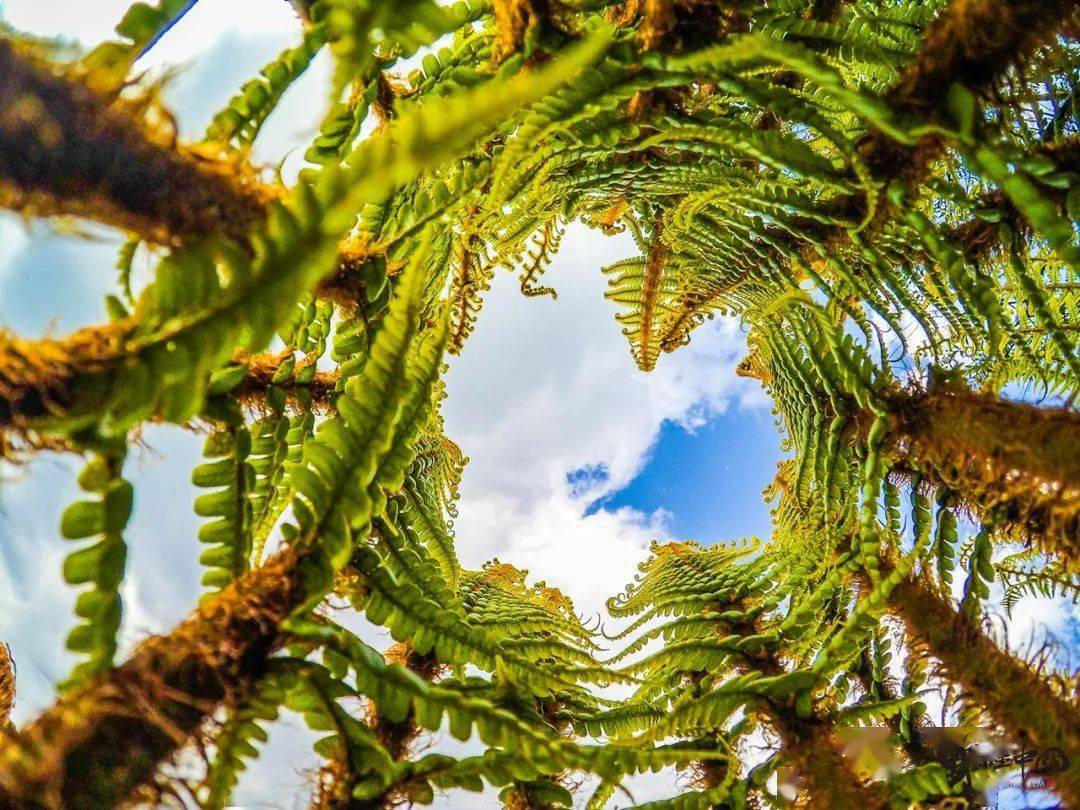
(100, 742)
(1013, 462)
(67, 149)
(814, 751)
(7, 685)
(64, 149)
(66, 378)
(261, 370)
(811, 746)
(973, 43)
(1012, 693)
(336, 780)
(397, 738)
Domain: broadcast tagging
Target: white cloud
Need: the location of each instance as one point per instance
(546, 388)
(93, 22)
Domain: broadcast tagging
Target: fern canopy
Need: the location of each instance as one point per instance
(886, 194)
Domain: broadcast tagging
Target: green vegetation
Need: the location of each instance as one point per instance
(885, 192)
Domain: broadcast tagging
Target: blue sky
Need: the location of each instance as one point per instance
(578, 459)
(543, 388)
(708, 478)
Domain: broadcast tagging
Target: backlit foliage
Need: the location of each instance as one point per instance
(884, 192)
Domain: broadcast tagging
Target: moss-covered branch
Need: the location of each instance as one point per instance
(64, 149)
(103, 740)
(1015, 463)
(1014, 695)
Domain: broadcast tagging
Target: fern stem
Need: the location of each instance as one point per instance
(59, 379)
(64, 149)
(262, 369)
(811, 745)
(973, 43)
(1014, 462)
(397, 738)
(1015, 696)
(7, 686)
(101, 741)
(813, 749)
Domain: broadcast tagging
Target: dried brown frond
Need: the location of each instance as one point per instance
(472, 277)
(647, 347)
(545, 244)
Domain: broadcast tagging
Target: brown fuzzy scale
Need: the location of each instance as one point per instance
(519, 797)
(675, 26)
(979, 238)
(513, 18)
(706, 774)
(1013, 462)
(344, 287)
(261, 370)
(516, 19)
(974, 43)
(813, 749)
(64, 149)
(1013, 694)
(7, 685)
(66, 378)
(103, 740)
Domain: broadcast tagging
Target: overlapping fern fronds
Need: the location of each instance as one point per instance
(885, 193)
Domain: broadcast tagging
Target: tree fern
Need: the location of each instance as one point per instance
(888, 209)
